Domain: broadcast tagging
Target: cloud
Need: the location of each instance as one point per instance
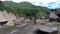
(21, 0)
(54, 4)
(44, 3)
(48, 3)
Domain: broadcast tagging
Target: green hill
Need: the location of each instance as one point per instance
(22, 7)
(25, 5)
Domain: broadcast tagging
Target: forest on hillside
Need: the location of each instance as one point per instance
(24, 9)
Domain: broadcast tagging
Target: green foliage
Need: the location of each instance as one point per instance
(24, 9)
(53, 9)
(1, 5)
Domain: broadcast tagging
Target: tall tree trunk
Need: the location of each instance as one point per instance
(35, 21)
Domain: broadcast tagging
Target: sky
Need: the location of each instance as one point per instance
(45, 3)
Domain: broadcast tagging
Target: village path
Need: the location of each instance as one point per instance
(28, 29)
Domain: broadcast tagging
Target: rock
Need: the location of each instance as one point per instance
(46, 29)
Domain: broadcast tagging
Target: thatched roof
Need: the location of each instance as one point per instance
(2, 17)
(53, 15)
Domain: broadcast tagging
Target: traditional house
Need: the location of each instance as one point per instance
(3, 20)
(9, 19)
(55, 16)
(4, 16)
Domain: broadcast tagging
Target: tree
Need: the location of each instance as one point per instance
(35, 14)
(32, 13)
(1, 5)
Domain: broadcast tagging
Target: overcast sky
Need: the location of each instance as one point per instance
(45, 3)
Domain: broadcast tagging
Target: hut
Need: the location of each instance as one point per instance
(9, 19)
(52, 16)
(55, 15)
(3, 20)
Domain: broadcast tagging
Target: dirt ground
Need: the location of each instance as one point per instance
(29, 29)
